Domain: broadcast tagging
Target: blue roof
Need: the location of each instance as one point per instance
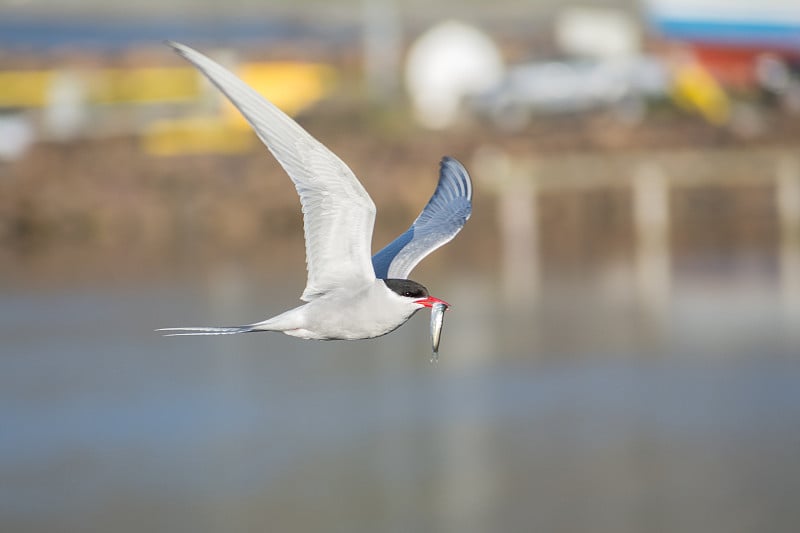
(781, 34)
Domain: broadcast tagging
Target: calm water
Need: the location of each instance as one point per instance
(578, 410)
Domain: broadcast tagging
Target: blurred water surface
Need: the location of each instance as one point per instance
(573, 411)
(623, 354)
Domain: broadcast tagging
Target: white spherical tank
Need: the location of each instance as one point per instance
(446, 64)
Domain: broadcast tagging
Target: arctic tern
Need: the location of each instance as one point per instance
(347, 294)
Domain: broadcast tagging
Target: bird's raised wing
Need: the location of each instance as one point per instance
(446, 213)
(338, 214)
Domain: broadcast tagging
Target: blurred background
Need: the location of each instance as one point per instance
(622, 352)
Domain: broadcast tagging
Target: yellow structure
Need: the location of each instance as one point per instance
(696, 89)
(23, 88)
(292, 86)
(143, 85)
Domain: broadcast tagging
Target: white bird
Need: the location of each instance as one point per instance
(348, 295)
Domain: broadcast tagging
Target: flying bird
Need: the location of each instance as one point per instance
(348, 295)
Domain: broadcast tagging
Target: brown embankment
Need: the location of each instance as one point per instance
(109, 197)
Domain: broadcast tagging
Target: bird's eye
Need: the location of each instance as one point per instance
(408, 294)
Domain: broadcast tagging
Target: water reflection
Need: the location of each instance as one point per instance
(559, 414)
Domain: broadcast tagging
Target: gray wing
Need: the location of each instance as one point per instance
(338, 214)
(446, 213)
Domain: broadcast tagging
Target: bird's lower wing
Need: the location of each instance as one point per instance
(442, 218)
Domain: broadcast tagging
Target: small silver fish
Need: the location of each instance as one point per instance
(437, 321)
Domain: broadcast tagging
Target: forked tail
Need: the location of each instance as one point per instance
(230, 330)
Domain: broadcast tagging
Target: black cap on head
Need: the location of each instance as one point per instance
(407, 288)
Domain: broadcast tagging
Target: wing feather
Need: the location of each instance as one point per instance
(442, 218)
(338, 214)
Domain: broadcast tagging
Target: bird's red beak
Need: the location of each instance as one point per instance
(430, 300)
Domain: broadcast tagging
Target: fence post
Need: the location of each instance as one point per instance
(787, 200)
(651, 220)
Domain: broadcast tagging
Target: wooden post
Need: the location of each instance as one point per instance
(651, 222)
(517, 219)
(787, 199)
